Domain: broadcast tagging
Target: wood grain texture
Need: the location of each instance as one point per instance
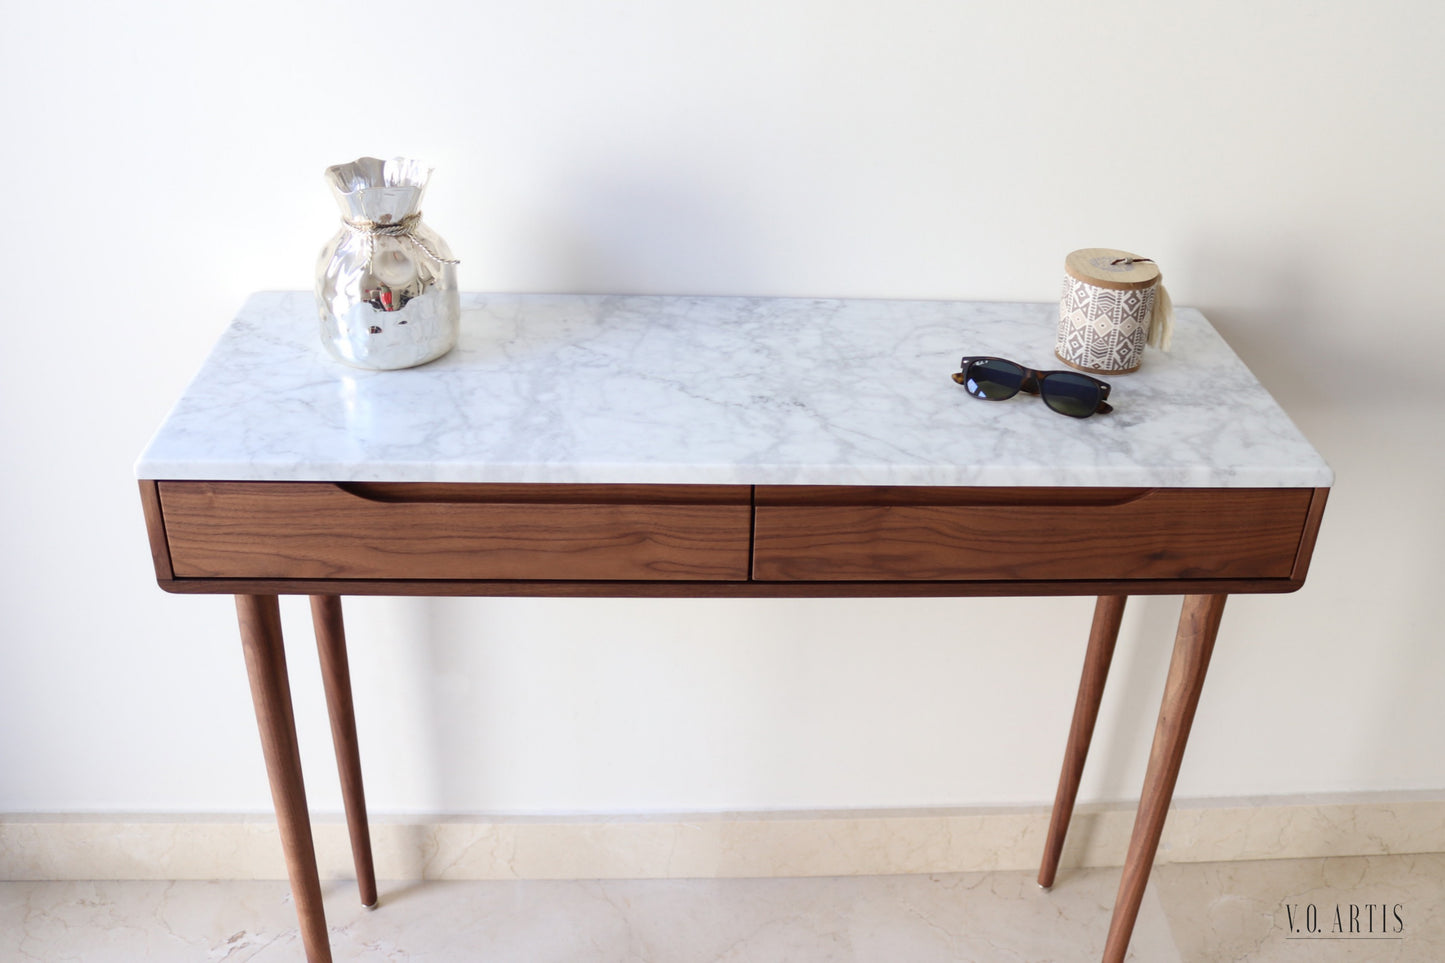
(321, 530)
(260, 619)
(1193, 645)
(1012, 534)
(724, 589)
(336, 679)
(1103, 634)
(156, 529)
(1311, 533)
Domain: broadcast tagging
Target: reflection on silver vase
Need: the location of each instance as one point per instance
(386, 285)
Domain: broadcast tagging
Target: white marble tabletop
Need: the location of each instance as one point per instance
(607, 389)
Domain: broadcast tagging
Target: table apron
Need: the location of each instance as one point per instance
(725, 540)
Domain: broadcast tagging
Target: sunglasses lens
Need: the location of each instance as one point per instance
(993, 379)
(1070, 394)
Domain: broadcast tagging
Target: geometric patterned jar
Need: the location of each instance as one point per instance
(1108, 310)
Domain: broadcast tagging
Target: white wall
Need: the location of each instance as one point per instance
(1281, 160)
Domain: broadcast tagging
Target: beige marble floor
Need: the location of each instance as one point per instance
(1192, 912)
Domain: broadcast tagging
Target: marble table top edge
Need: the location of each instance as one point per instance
(643, 389)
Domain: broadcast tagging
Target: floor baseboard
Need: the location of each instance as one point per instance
(75, 847)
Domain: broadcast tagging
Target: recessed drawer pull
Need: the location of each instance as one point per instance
(812, 495)
(462, 493)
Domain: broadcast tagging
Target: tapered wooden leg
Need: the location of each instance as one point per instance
(1108, 613)
(336, 674)
(260, 619)
(1198, 626)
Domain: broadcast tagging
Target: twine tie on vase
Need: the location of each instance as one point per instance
(1161, 315)
(404, 229)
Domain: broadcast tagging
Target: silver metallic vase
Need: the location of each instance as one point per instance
(386, 285)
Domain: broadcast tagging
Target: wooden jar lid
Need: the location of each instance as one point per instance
(1094, 265)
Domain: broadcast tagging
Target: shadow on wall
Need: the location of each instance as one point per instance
(1342, 335)
(458, 668)
(628, 231)
(1132, 696)
(1273, 322)
(1316, 326)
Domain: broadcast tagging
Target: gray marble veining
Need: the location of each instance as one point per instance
(609, 389)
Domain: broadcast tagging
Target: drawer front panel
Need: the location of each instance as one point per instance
(322, 530)
(932, 534)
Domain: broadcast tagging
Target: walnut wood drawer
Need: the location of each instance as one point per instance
(324, 530)
(945, 534)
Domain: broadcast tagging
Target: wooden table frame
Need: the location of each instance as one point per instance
(258, 540)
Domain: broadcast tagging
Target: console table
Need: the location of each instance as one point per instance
(690, 446)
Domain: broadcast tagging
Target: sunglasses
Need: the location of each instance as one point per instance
(1067, 392)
